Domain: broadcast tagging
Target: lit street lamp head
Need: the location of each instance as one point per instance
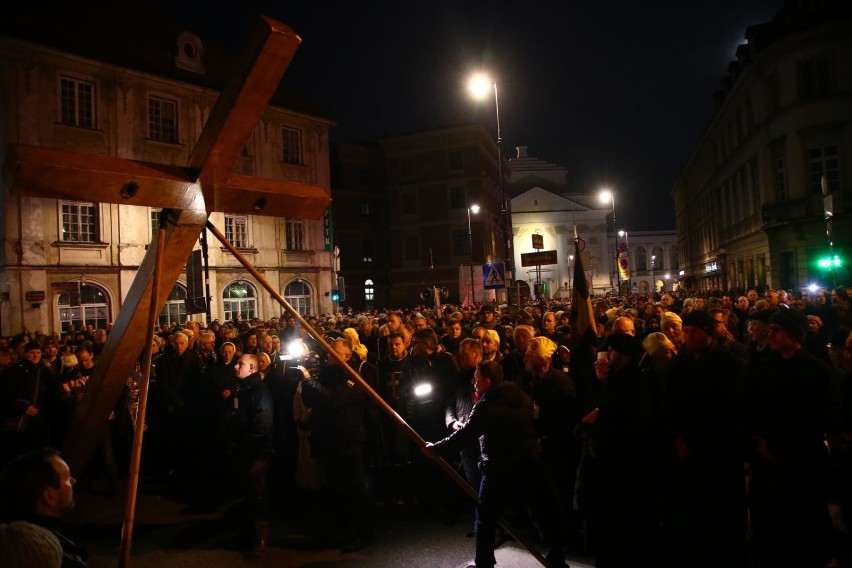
(474, 209)
(606, 196)
(480, 86)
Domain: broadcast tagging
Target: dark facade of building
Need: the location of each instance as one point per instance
(420, 233)
(774, 164)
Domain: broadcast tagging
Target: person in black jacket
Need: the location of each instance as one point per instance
(338, 433)
(509, 462)
(793, 404)
(251, 446)
(37, 487)
(28, 401)
(705, 517)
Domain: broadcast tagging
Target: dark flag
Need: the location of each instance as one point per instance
(584, 335)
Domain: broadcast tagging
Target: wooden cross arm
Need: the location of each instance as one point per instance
(34, 171)
(261, 196)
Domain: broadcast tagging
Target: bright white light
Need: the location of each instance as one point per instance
(422, 389)
(620, 233)
(668, 276)
(480, 85)
(297, 349)
(813, 287)
(605, 196)
(474, 209)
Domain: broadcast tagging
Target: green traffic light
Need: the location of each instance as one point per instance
(830, 262)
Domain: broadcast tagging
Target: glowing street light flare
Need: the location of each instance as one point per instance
(480, 86)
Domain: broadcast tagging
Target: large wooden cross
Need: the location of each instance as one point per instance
(205, 185)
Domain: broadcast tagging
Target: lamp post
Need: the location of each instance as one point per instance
(480, 85)
(626, 238)
(570, 273)
(472, 209)
(608, 196)
(653, 266)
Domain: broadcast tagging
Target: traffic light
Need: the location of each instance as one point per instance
(829, 262)
(335, 295)
(341, 288)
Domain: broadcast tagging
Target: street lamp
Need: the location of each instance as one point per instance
(570, 274)
(480, 86)
(606, 196)
(472, 209)
(653, 266)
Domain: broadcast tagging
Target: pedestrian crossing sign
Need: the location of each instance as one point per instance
(494, 275)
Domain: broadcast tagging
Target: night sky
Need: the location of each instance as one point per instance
(618, 92)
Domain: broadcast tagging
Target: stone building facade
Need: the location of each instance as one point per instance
(81, 88)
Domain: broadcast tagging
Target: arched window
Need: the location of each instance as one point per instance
(673, 260)
(174, 311)
(368, 290)
(659, 259)
(91, 308)
(239, 298)
(298, 294)
(641, 259)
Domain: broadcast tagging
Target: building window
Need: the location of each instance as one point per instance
(773, 94)
(406, 168)
(79, 224)
(298, 294)
(174, 310)
(366, 209)
(461, 243)
(658, 259)
(369, 290)
(814, 78)
(412, 247)
(236, 230)
(456, 160)
(162, 120)
(749, 114)
(239, 301)
(155, 222)
(409, 202)
(781, 176)
(90, 307)
(295, 235)
(823, 161)
(77, 102)
(458, 198)
(291, 146)
(641, 259)
(368, 251)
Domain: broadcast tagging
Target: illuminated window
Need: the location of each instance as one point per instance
(174, 311)
(299, 295)
(90, 307)
(368, 290)
(79, 223)
(239, 298)
(295, 235)
(236, 230)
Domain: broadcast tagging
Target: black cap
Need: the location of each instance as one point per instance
(793, 321)
(626, 344)
(701, 320)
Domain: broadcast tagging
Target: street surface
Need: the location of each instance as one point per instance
(168, 533)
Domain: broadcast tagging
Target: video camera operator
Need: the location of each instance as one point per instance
(338, 434)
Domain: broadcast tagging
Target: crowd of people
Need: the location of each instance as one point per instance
(702, 428)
